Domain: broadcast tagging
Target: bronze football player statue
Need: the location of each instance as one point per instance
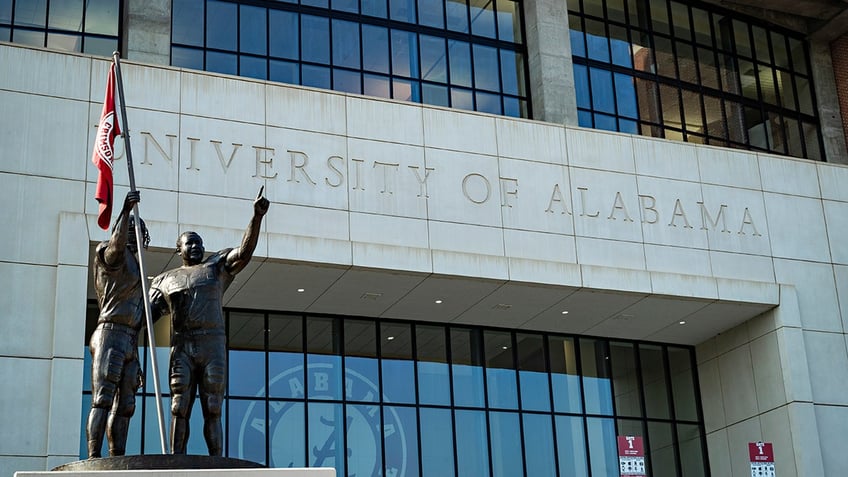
(193, 295)
(115, 369)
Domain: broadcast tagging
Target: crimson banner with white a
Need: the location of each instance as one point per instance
(104, 152)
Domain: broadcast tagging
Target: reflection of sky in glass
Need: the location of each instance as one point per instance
(505, 435)
(436, 442)
(540, 453)
(472, 454)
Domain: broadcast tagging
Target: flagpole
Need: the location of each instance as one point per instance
(138, 239)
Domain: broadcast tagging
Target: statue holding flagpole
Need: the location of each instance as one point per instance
(121, 293)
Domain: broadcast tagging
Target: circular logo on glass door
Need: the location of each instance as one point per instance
(367, 440)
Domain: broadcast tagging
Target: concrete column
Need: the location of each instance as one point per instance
(832, 128)
(549, 61)
(147, 31)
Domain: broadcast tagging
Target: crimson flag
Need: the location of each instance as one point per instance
(104, 152)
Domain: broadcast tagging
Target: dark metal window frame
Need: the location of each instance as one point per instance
(524, 100)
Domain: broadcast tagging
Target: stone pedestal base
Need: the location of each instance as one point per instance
(158, 462)
(173, 466)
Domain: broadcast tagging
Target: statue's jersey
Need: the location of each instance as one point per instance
(118, 289)
(194, 294)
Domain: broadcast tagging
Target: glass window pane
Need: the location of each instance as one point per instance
(486, 70)
(603, 98)
(286, 377)
(435, 95)
(594, 360)
(472, 456)
(361, 370)
(793, 136)
(512, 72)
(351, 6)
(284, 72)
(326, 436)
(716, 124)
(226, 63)
(488, 103)
(505, 436)
(397, 365)
(374, 8)
(248, 384)
(315, 3)
(287, 438)
(186, 23)
(659, 16)
(400, 441)
(375, 85)
(406, 90)
(665, 58)
(756, 128)
(691, 450)
(433, 374)
(811, 140)
(777, 141)
(628, 396)
(605, 122)
(436, 442)
(597, 43)
(500, 370)
(532, 374)
(364, 442)
(564, 378)
(630, 127)
(539, 445)
(323, 377)
(284, 34)
(660, 455)
(99, 46)
(315, 76)
(581, 86)
(65, 15)
(615, 11)
(315, 41)
(701, 20)
(460, 63)
(692, 111)
(578, 43)
(686, 66)
(375, 49)
(247, 430)
(26, 37)
(482, 18)
(509, 21)
(571, 447)
(594, 7)
(671, 109)
(761, 44)
(433, 59)
(707, 68)
(654, 381)
(466, 353)
(680, 19)
(6, 14)
(799, 55)
(31, 13)
(252, 32)
(742, 39)
(462, 99)
(253, 67)
(457, 15)
(346, 44)
(58, 41)
(402, 10)
(405, 54)
(431, 13)
(620, 47)
(603, 445)
(805, 96)
(221, 25)
(5, 34)
(625, 96)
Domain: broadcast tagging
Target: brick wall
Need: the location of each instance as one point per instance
(839, 54)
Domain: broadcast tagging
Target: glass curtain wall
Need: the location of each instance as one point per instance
(392, 398)
(466, 54)
(693, 73)
(90, 26)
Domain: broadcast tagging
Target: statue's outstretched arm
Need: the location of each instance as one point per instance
(113, 255)
(238, 258)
